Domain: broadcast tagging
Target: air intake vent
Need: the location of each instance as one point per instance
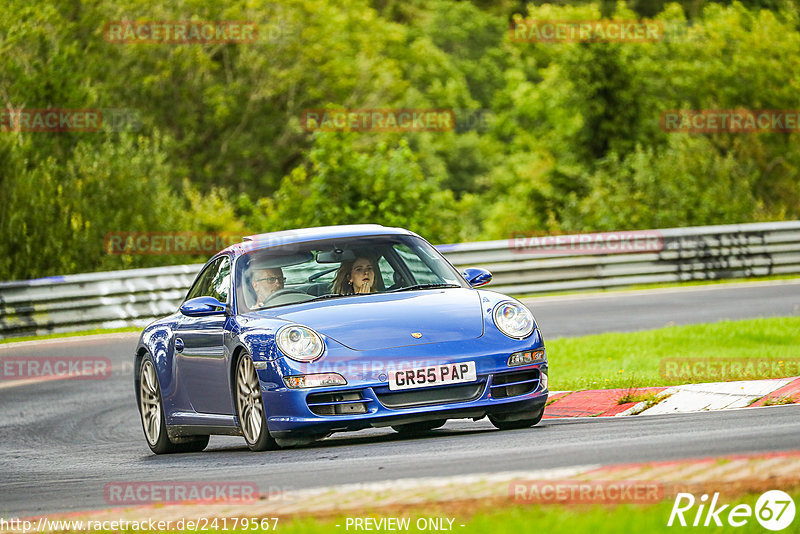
(513, 384)
(337, 403)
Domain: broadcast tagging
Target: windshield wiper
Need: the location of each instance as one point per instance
(328, 296)
(423, 286)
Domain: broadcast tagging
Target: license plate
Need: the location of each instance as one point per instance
(436, 375)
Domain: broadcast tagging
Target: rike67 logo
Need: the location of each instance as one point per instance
(774, 510)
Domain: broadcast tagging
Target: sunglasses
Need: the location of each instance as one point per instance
(272, 279)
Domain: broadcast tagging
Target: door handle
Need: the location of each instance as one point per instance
(178, 344)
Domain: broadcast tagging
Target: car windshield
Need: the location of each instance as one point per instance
(342, 267)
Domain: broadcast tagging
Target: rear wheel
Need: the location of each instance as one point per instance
(151, 409)
(250, 407)
(419, 428)
(512, 421)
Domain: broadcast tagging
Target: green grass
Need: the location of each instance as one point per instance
(663, 285)
(629, 360)
(779, 401)
(636, 395)
(72, 334)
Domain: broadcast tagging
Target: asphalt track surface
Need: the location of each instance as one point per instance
(63, 441)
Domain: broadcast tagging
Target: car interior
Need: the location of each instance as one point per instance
(311, 274)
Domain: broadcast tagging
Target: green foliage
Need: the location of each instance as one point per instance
(348, 185)
(569, 136)
(56, 214)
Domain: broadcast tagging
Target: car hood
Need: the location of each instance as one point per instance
(371, 322)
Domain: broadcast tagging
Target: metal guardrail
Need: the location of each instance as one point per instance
(136, 297)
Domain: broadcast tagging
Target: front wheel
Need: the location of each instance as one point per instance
(151, 409)
(511, 421)
(250, 407)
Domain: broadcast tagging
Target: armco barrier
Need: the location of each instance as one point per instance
(135, 297)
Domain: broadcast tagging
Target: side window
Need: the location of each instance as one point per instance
(387, 273)
(221, 281)
(214, 281)
(422, 273)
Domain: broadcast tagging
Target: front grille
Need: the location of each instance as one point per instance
(337, 403)
(513, 384)
(432, 395)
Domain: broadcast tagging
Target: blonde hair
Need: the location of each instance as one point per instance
(343, 286)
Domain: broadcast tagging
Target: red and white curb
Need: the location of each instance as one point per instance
(676, 399)
(712, 396)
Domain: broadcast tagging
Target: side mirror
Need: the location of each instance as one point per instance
(477, 277)
(202, 306)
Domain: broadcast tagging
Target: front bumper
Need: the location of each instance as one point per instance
(290, 411)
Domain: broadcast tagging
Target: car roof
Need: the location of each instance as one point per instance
(302, 235)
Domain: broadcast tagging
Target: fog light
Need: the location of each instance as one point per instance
(314, 381)
(544, 380)
(524, 358)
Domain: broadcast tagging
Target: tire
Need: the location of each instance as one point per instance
(151, 412)
(419, 428)
(250, 407)
(509, 421)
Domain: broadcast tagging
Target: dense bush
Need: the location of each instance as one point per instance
(568, 137)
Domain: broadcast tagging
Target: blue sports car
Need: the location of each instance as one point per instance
(290, 336)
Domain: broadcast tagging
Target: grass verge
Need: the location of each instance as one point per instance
(631, 360)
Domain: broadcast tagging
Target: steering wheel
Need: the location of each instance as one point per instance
(286, 291)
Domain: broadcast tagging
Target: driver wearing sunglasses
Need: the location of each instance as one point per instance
(265, 282)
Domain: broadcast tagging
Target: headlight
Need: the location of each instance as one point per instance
(300, 343)
(513, 319)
